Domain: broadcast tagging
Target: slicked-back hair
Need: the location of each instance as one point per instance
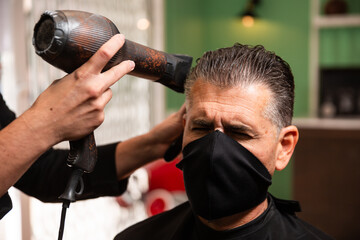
(243, 65)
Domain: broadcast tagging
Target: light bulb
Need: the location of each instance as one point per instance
(143, 24)
(247, 21)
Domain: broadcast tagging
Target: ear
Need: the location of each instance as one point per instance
(184, 120)
(288, 138)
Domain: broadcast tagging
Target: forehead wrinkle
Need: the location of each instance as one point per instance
(205, 108)
(217, 100)
(247, 106)
(242, 86)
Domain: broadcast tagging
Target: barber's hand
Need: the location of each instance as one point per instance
(168, 131)
(74, 105)
(138, 151)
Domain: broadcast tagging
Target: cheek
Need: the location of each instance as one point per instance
(265, 153)
(191, 135)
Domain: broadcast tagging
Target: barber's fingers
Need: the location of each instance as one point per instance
(94, 108)
(99, 103)
(115, 73)
(182, 110)
(99, 60)
(105, 98)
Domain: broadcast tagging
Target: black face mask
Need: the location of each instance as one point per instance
(222, 177)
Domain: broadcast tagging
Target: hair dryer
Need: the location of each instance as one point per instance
(67, 39)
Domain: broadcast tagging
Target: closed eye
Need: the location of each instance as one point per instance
(199, 129)
(240, 136)
(201, 125)
(240, 132)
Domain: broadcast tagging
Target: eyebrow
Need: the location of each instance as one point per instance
(202, 122)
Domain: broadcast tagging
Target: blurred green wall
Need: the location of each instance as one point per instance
(196, 26)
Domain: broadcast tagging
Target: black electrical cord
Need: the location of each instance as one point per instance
(65, 206)
(69, 195)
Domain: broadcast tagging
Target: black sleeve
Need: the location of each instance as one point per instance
(6, 115)
(5, 205)
(47, 177)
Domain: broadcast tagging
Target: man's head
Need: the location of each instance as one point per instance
(242, 65)
(247, 93)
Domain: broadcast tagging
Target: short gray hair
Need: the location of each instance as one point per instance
(245, 65)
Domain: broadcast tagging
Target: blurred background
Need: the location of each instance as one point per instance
(320, 39)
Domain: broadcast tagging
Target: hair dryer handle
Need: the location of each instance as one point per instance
(83, 153)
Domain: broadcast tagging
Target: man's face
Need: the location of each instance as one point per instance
(236, 111)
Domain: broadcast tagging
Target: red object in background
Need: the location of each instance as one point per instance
(158, 201)
(157, 206)
(165, 185)
(165, 175)
(166, 188)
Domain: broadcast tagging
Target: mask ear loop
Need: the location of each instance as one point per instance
(174, 149)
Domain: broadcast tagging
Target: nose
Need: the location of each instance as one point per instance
(219, 129)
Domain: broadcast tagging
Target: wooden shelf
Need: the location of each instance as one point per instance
(328, 123)
(317, 23)
(351, 20)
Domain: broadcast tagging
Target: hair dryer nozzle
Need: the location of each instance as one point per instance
(50, 35)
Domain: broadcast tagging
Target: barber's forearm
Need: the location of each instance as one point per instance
(140, 150)
(135, 153)
(21, 143)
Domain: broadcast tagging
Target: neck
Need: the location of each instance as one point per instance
(236, 220)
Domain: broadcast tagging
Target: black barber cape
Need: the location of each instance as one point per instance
(47, 177)
(276, 223)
